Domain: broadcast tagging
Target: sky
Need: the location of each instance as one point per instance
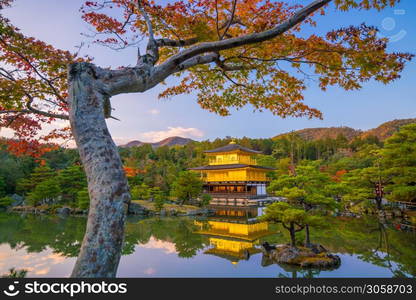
(144, 117)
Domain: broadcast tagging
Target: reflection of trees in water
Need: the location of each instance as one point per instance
(297, 272)
(384, 254)
(386, 247)
(371, 241)
(35, 233)
(179, 231)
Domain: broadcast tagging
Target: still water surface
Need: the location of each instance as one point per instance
(47, 246)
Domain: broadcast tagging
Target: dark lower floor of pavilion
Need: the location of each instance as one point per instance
(235, 189)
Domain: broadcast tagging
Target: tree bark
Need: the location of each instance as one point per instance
(107, 184)
(307, 237)
(379, 199)
(292, 235)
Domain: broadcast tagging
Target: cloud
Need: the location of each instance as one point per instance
(150, 271)
(149, 137)
(44, 271)
(153, 243)
(155, 136)
(154, 111)
(123, 140)
(6, 133)
(44, 263)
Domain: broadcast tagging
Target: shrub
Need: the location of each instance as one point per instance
(46, 191)
(2, 187)
(13, 273)
(205, 199)
(159, 200)
(141, 192)
(83, 199)
(187, 186)
(5, 202)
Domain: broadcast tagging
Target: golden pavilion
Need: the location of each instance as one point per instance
(233, 177)
(233, 233)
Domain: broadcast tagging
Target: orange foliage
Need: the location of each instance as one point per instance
(132, 172)
(338, 175)
(269, 75)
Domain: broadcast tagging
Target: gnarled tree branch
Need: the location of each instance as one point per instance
(228, 24)
(217, 46)
(145, 76)
(31, 110)
(152, 49)
(176, 43)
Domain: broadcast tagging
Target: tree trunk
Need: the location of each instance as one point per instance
(379, 199)
(292, 159)
(107, 184)
(292, 235)
(307, 237)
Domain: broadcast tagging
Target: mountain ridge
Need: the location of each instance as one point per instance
(170, 141)
(382, 132)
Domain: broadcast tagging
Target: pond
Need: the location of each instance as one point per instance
(47, 246)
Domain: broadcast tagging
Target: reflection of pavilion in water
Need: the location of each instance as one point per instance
(233, 233)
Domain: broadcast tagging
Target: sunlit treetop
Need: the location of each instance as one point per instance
(228, 52)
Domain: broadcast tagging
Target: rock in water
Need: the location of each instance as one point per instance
(315, 257)
(17, 200)
(316, 248)
(267, 247)
(136, 209)
(64, 211)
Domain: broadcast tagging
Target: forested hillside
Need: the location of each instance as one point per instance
(154, 170)
(170, 141)
(382, 132)
(312, 134)
(387, 129)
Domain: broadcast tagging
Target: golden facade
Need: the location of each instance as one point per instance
(233, 176)
(232, 235)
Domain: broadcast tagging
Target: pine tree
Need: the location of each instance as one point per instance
(399, 154)
(159, 200)
(2, 187)
(187, 186)
(308, 191)
(83, 199)
(292, 218)
(71, 181)
(38, 175)
(6, 202)
(141, 192)
(205, 199)
(44, 192)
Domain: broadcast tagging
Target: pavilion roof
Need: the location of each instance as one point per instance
(232, 147)
(229, 166)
